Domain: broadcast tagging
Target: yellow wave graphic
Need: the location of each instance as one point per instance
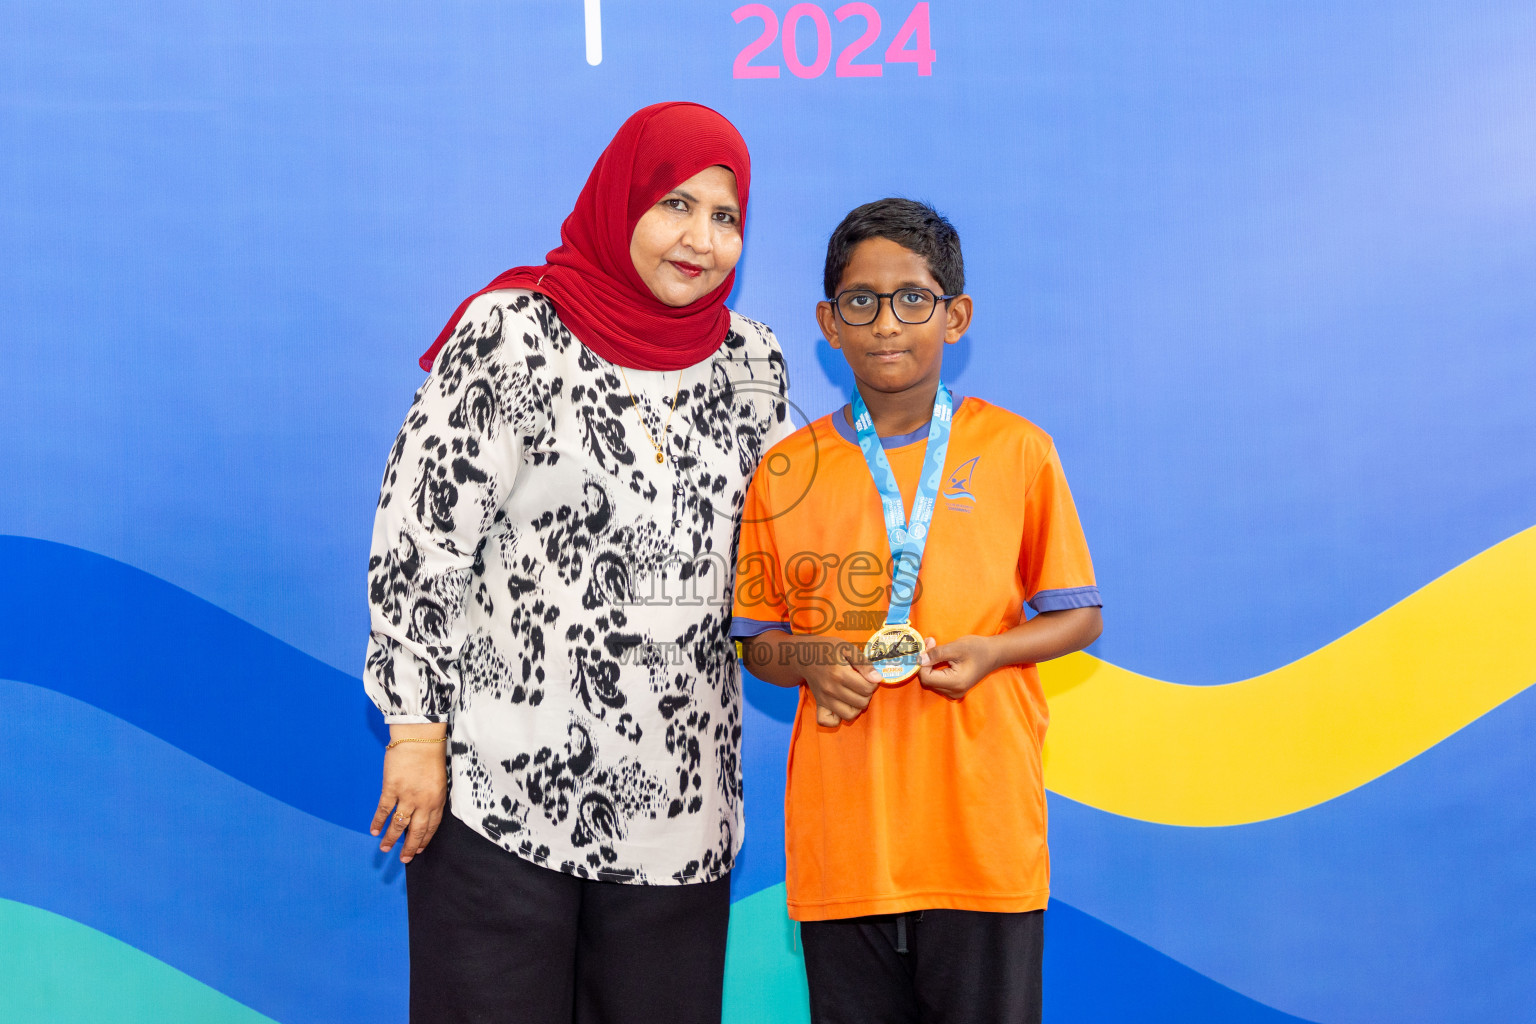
(1310, 731)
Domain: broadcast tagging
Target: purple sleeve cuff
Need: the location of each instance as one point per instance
(1071, 597)
(741, 628)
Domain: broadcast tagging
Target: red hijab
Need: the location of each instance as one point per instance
(590, 277)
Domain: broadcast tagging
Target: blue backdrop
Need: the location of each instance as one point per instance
(1264, 271)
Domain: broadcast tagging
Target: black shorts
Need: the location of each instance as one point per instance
(928, 967)
(498, 940)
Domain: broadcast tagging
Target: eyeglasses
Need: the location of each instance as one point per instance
(859, 306)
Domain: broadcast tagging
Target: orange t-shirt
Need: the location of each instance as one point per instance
(920, 802)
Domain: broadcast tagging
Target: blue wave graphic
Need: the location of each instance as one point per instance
(305, 922)
(1378, 905)
(1377, 879)
(1093, 971)
(192, 674)
(766, 716)
(1096, 973)
(1381, 879)
(294, 917)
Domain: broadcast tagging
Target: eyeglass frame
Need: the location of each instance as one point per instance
(890, 298)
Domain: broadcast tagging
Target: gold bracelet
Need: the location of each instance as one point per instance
(392, 744)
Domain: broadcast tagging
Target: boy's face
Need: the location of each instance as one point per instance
(887, 355)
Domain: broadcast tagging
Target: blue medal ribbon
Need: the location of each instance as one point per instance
(907, 536)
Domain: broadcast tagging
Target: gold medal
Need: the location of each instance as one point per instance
(895, 652)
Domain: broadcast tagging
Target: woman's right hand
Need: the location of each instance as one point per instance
(415, 788)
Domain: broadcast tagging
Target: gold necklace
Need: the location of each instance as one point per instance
(635, 404)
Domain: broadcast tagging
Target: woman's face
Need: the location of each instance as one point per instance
(686, 245)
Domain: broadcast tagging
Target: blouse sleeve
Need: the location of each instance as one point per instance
(451, 469)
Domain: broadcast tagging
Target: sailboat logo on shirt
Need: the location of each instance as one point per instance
(960, 486)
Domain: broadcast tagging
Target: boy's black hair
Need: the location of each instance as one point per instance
(908, 223)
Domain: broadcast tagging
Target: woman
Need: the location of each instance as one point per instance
(550, 586)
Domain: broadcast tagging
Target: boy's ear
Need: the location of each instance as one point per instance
(826, 319)
(957, 319)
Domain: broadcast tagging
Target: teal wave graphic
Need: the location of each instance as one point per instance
(53, 969)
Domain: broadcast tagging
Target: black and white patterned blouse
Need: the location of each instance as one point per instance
(541, 583)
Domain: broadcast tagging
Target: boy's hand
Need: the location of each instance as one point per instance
(955, 667)
(840, 681)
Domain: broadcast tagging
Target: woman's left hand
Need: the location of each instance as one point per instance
(415, 788)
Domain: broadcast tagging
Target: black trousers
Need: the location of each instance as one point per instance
(498, 940)
(932, 967)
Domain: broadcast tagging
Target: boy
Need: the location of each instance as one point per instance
(913, 519)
